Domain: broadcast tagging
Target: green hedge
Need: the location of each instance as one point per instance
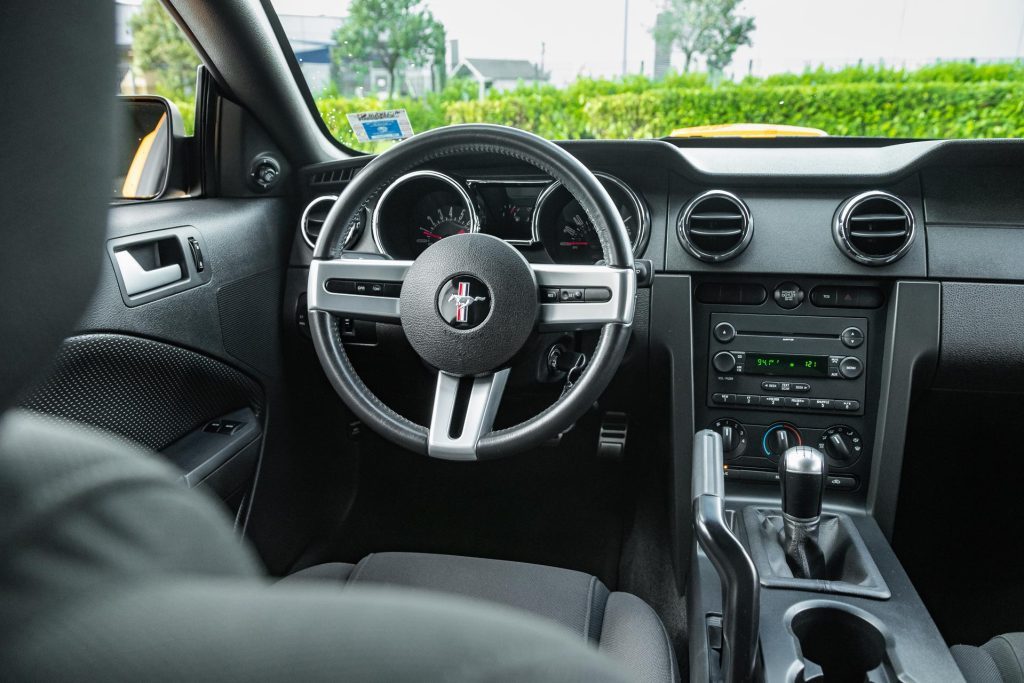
(907, 110)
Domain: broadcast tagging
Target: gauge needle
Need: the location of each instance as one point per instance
(432, 235)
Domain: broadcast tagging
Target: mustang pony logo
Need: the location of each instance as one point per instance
(463, 301)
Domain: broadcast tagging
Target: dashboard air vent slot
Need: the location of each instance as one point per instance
(335, 175)
(715, 226)
(874, 228)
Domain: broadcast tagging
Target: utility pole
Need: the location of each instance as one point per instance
(543, 49)
(625, 38)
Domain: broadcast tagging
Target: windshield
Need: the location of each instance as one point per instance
(576, 69)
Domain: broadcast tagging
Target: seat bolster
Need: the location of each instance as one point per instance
(975, 664)
(329, 571)
(1007, 651)
(633, 635)
(1000, 660)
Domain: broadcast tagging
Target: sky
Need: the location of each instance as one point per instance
(581, 37)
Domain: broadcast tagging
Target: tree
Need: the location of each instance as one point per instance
(708, 28)
(390, 32)
(160, 50)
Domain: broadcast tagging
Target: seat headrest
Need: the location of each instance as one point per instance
(58, 87)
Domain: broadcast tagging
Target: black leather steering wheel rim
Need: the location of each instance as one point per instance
(422, 150)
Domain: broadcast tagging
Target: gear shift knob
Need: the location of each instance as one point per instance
(802, 473)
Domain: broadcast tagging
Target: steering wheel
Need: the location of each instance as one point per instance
(469, 302)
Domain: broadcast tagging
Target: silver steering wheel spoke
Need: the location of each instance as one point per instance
(365, 289)
(464, 411)
(584, 297)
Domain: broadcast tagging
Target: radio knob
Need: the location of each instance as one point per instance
(851, 367)
(724, 361)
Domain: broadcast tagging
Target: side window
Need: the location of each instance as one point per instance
(155, 57)
(157, 72)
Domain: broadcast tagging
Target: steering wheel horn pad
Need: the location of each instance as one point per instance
(431, 305)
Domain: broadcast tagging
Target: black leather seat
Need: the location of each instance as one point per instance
(620, 624)
(1000, 660)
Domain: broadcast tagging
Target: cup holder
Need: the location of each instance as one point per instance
(839, 645)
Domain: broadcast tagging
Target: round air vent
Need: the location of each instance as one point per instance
(715, 226)
(874, 228)
(313, 217)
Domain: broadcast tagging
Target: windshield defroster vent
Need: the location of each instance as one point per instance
(874, 228)
(715, 226)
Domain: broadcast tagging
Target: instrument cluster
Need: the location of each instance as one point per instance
(536, 214)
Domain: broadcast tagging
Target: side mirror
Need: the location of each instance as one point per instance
(149, 127)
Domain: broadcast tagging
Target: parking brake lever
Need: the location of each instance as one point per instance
(741, 590)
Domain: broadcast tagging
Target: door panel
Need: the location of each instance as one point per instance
(163, 369)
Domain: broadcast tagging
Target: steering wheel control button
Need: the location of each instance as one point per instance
(597, 294)
(549, 295)
(851, 367)
(724, 361)
(464, 302)
(852, 337)
(570, 295)
(788, 295)
(725, 332)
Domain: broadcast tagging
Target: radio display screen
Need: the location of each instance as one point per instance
(786, 365)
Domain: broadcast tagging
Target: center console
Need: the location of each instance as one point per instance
(799, 387)
(787, 364)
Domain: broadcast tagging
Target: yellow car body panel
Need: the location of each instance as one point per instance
(747, 130)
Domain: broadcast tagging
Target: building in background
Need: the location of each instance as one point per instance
(499, 74)
(662, 50)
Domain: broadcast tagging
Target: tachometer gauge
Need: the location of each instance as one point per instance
(566, 232)
(577, 239)
(444, 221)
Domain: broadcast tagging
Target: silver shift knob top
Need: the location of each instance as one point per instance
(802, 478)
(803, 460)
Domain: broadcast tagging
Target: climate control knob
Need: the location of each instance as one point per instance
(779, 438)
(724, 361)
(734, 436)
(842, 445)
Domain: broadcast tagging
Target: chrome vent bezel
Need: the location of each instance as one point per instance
(684, 227)
(309, 238)
(846, 238)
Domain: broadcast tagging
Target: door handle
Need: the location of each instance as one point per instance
(137, 279)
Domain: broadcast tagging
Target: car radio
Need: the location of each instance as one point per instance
(779, 362)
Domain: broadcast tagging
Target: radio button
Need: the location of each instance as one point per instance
(801, 388)
(824, 297)
(772, 401)
(851, 367)
(852, 337)
(748, 400)
(770, 386)
(821, 403)
(725, 332)
(797, 402)
(846, 406)
(785, 386)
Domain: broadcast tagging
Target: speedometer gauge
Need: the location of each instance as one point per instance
(568, 235)
(419, 209)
